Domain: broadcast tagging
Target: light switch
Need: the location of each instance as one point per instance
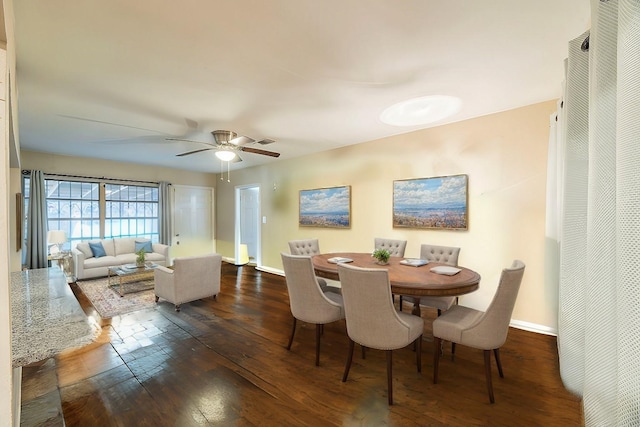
(264, 219)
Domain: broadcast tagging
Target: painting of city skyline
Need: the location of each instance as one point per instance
(439, 202)
(326, 207)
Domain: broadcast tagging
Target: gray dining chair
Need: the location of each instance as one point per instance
(395, 247)
(372, 320)
(307, 301)
(311, 247)
(443, 254)
(486, 330)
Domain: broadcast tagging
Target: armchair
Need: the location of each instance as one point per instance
(190, 279)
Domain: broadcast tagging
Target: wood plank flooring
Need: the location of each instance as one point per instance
(225, 363)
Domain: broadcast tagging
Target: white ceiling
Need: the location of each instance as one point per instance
(113, 79)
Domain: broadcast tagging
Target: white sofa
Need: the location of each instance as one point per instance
(118, 251)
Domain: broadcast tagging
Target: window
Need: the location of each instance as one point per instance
(90, 210)
(131, 211)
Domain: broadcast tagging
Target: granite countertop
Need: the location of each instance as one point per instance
(46, 317)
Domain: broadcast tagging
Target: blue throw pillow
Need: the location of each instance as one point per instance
(97, 249)
(146, 246)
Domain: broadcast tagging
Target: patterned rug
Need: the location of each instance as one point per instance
(108, 302)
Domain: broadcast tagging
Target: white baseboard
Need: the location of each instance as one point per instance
(533, 327)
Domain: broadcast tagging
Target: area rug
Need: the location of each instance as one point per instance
(108, 302)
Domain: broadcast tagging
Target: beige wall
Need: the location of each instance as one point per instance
(504, 156)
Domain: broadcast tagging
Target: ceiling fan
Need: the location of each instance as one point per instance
(227, 144)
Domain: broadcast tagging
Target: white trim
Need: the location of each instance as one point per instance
(533, 327)
(270, 270)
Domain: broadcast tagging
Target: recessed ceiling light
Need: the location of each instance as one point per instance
(421, 111)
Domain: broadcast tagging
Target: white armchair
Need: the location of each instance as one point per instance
(191, 278)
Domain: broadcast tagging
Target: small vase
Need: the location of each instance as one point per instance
(139, 264)
(380, 262)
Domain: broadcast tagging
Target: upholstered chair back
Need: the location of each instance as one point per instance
(308, 302)
(308, 247)
(372, 320)
(395, 247)
(489, 329)
(444, 254)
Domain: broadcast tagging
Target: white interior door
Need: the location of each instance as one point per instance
(192, 221)
(248, 222)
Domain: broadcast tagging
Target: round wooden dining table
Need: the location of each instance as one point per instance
(405, 279)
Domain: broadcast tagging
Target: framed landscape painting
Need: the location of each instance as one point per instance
(326, 207)
(439, 202)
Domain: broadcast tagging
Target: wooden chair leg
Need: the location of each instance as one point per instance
(496, 353)
(157, 298)
(177, 307)
(390, 375)
(419, 352)
(487, 368)
(293, 332)
(347, 366)
(437, 342)
(364, 351)
(400, 299)
(453, 351)
(318, 333)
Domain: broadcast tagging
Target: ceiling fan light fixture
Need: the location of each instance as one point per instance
(225, 155)
(421, 111)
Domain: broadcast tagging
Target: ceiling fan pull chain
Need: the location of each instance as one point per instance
(221, 170)
(228, 172)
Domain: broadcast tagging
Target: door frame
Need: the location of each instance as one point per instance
(238, 231)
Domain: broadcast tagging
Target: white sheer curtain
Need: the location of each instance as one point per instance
(164, 202)
(598, 180)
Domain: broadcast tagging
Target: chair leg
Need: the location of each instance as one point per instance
(364, 349)
(496, 353)
(436, 358)
(293, 332)
(400, 299)
(453, 351)
(347, 366)
(390, 375)
(157, 298)
(419, 352)
(318, 333)
(177, 307)
(487, 368)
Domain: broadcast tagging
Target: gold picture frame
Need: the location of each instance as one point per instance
(325, 207)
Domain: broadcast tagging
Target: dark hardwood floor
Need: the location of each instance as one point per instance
(225, 363)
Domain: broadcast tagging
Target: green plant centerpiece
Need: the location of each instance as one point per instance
(140, 259)
(382, 255)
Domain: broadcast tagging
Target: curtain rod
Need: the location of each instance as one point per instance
(103, 178)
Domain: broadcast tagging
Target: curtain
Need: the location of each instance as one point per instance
(36, 254)
(164, 202)
(598, 184)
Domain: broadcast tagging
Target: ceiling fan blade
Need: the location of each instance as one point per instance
(259, 151)
(107, 123)
(194, 151)
(189, 140)
(241, 140)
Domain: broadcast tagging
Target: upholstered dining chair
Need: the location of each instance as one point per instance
(307, 301)
(446, 255)
(487, 330)
(191, 278)
(395, 247)
(372, 320)
(311, 247)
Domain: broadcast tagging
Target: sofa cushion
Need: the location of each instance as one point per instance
(85, 249)
(124, 245)
(105, 261)
(144, 245)
(97, 249)
(107, 244)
